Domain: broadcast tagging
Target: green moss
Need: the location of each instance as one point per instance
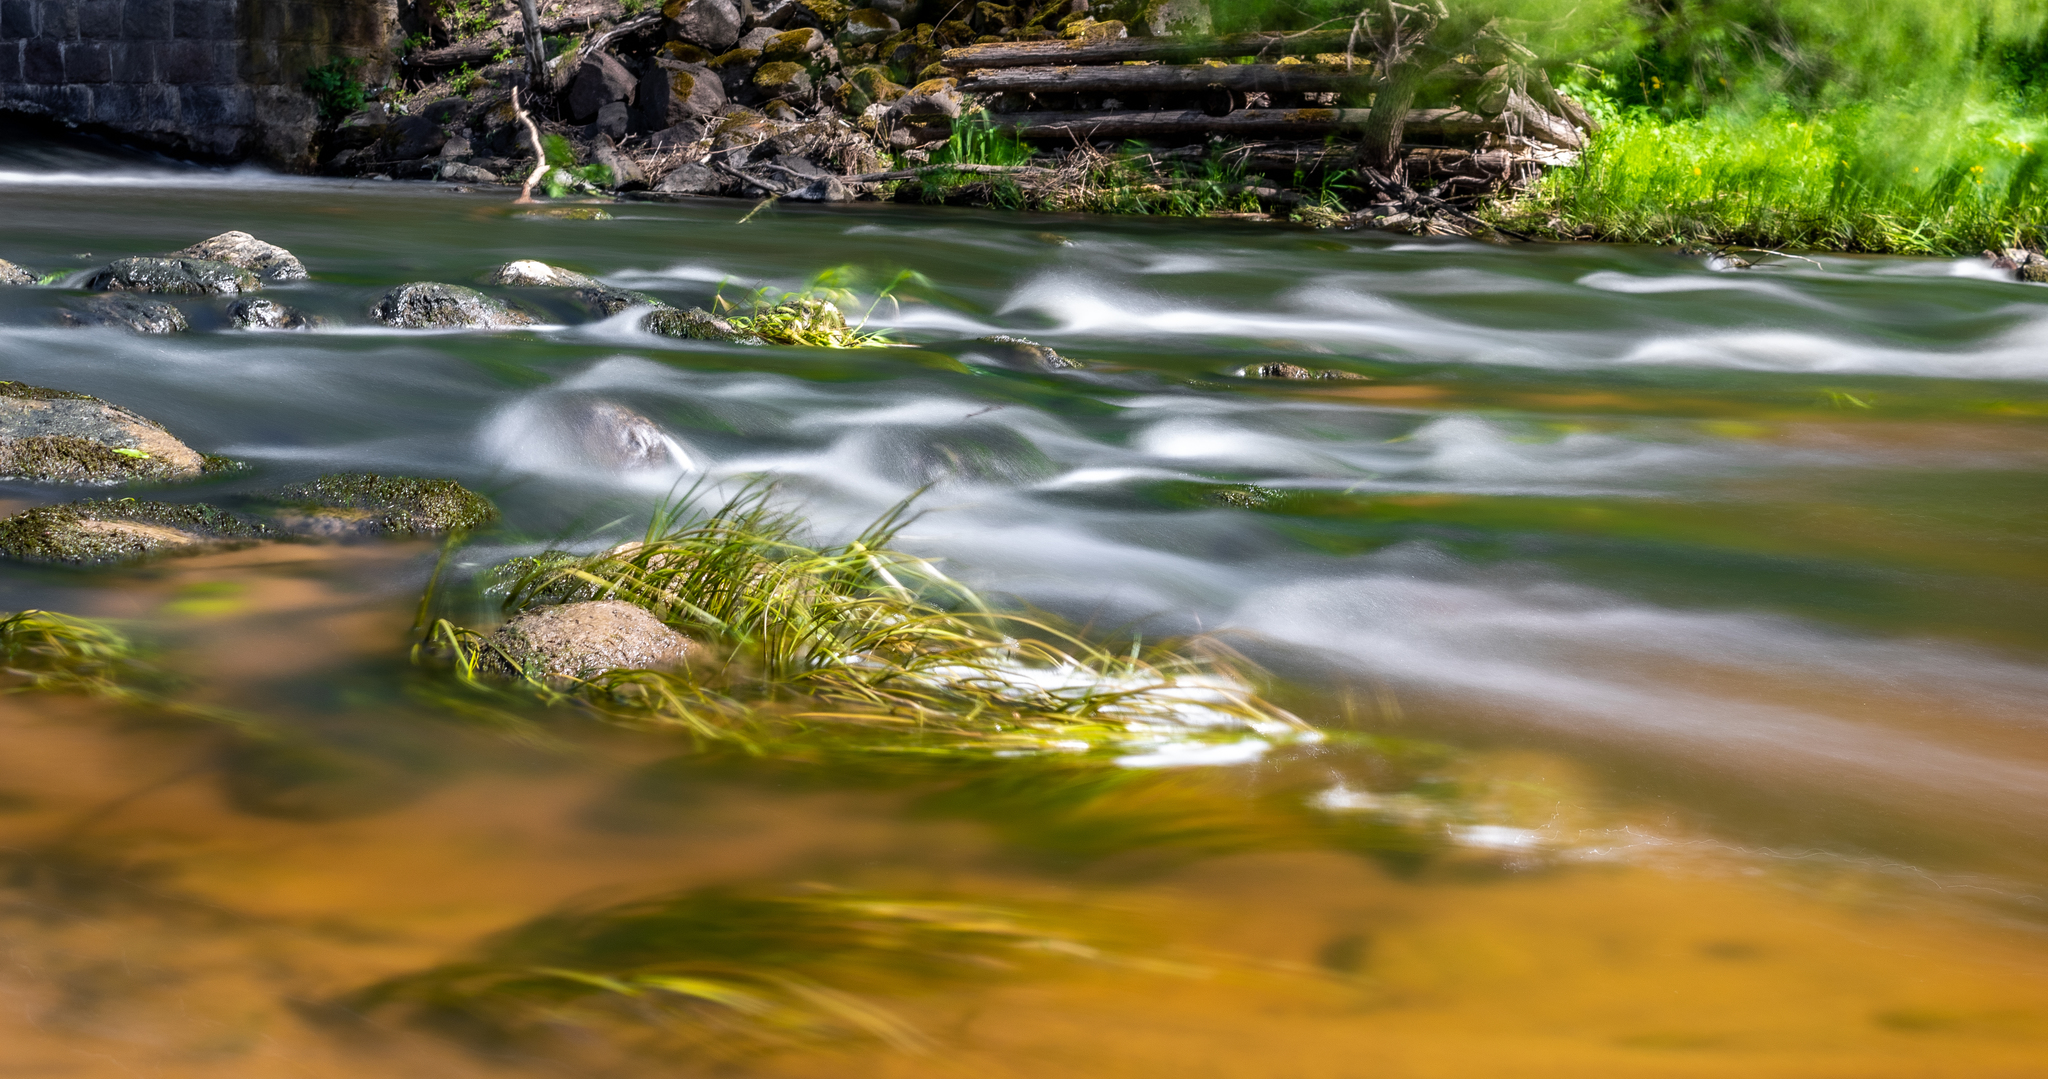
(66, 458)
(63, 534)
(394, 505)
(695, 324)
(26, 392)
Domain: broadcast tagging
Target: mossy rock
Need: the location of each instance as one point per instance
(68, 437)
(431, 305)
(740, 57)
(102, 532)
(783, 81)
(683, 52)
(174, 277)
(355, 505)
(128, 313)
(1023, 354)
(10, 274)
(695, 324)
(793, 44)
(246, 251)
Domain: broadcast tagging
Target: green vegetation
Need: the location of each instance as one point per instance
(1911, 127)
(854, 637)
(721, 973)
(335, 88)
(43, 651)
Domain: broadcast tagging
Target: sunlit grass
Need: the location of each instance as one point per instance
(1781, 180)
(858, 635)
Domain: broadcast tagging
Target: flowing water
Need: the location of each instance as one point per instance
(1677, 634)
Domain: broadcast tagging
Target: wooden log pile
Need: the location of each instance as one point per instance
(1357, 84)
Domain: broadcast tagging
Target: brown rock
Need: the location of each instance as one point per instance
(584, 640)
(249, 253)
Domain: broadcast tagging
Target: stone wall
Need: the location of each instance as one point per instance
(214, 79)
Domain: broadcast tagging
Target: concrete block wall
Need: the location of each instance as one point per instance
(216, 79)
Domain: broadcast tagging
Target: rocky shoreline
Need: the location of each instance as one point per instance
(814, 101)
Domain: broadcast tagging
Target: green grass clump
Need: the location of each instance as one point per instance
(719, 972)
(43, 651)
(813, 316)
(1783, 180)
(857, 636)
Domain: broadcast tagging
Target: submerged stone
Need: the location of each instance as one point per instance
(1296, 372)
(695, 324)
(174, 276)
(354, 505)
(10, 274)
(430, 305)
(567, 213)
(101, 532)
(259, 313)
(70, 437)
(1022, 353)
(240, 249)
(584, 640)
(128, 313)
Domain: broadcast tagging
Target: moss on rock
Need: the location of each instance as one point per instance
(348, 505)
(62, 436)
(695, 324)
(174, 276)
(100, 532)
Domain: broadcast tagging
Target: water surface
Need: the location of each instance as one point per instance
(1720, 593)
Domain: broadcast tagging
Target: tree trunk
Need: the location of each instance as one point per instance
(536, 57)
(1379, 145)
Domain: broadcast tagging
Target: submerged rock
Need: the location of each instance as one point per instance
(10, 274)
(567, 213)
(353, 505)
(583, 640)
(695, 324)
(1021, 353)
(969, 453)
(103, 532)
(271, 262)
(617, 437)
(430, 305)
(71, 437)
(258, 313)
(128, 313)
(1295, 372)
(174, 276)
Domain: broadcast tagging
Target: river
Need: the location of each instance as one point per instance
(1691, 618)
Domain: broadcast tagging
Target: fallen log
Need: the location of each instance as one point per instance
(1163, 49)
(477, 52)
(1157, 79)
(1247, 123)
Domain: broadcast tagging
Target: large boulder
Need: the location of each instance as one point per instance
(175, 276)
(128, 313)
(411, 137)
(262, 313)
(114, 531)
(10, 274)
(710, 24)
(616, 437)
(268, 261)
(599, 81)
(672, 93)
(584, 640)
(431, 305)
(354, 505)
(77, 438)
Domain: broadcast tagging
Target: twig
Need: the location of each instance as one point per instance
(1780, 254)
(540, 154)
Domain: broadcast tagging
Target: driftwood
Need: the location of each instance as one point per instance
(1405, 54)
(477, 52)
(1247, 123)
(1163, 49)
(1158, 79)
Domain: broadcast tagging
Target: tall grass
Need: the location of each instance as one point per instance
(855, 634)
(1780, 179)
